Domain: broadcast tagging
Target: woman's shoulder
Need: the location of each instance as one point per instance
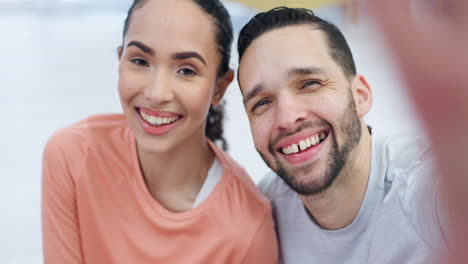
(86, 130)
(241, 204)
(74, 141)
(241, 183)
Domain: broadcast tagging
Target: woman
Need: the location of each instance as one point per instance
(149, 186)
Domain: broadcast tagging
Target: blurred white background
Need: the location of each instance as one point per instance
(58, 65)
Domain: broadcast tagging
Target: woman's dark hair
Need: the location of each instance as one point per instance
(223, 36)
(282, 17)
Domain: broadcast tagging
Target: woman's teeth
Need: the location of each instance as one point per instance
(304, 144)
(157, 120)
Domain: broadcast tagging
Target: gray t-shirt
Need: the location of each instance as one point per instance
(397, 223)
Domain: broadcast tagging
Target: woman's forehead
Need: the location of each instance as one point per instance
(175, 22)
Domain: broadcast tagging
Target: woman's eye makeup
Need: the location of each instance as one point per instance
(187, 72)
(140, 62)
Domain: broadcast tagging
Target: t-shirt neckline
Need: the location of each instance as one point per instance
(153, 205)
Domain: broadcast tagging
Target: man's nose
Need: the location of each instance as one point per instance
(290, 111)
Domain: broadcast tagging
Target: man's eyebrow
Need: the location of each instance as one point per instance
(304, 71)
(255, 91)
(143, 47)
(188, 54)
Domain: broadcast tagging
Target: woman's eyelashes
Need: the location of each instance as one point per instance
(140, 62)
(188, 72)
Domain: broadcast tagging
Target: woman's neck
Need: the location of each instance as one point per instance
(175, 178)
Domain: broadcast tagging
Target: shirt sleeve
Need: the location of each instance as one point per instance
(424, 205)
(264, 246)
(60, 228)
(266, 184)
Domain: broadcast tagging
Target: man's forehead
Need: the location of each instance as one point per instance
(304, 37)
(276, 52)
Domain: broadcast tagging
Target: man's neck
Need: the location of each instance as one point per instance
(339, 205)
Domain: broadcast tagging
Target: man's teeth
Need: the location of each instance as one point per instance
(304, 144)
(322, 136)
(157, 121)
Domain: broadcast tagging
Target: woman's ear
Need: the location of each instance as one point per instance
(221, 86)
(119, 52)
(362, 93)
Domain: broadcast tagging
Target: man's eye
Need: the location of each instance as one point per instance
(140, 62)
(187, 72)
(310, 83)
(259, 104)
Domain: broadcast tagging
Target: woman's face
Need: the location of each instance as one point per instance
(167, 74)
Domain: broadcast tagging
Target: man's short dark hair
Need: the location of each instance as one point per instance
(282, 17)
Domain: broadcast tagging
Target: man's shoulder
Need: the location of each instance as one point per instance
(402, 153)
(408, 157)
(405, 146)
(411, 171)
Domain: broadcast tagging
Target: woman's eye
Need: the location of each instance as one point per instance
(140, 62)
(187, 72)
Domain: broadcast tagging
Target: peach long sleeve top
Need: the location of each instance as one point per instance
(97, 209)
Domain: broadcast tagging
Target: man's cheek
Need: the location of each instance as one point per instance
(260, 140)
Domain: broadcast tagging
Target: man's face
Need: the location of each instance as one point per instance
(300, 105)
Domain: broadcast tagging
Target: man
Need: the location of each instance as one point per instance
(344, 194)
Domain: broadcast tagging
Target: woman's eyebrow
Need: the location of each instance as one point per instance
(143, 47)
(177, 56)
(189, 54)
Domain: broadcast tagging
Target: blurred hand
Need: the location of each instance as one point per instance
(431, 47)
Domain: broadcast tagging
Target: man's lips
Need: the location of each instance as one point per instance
(301, 141)
(304, 149)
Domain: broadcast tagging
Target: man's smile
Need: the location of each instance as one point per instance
(304, 144)
(302, 147)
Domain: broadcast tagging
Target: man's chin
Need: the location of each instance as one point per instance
(304, 187)
(305, 180)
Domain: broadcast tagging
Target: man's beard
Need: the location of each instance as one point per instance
(351, 130)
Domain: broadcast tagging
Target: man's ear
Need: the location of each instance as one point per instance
(119, 52)
(221, 86)
(362, 93)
